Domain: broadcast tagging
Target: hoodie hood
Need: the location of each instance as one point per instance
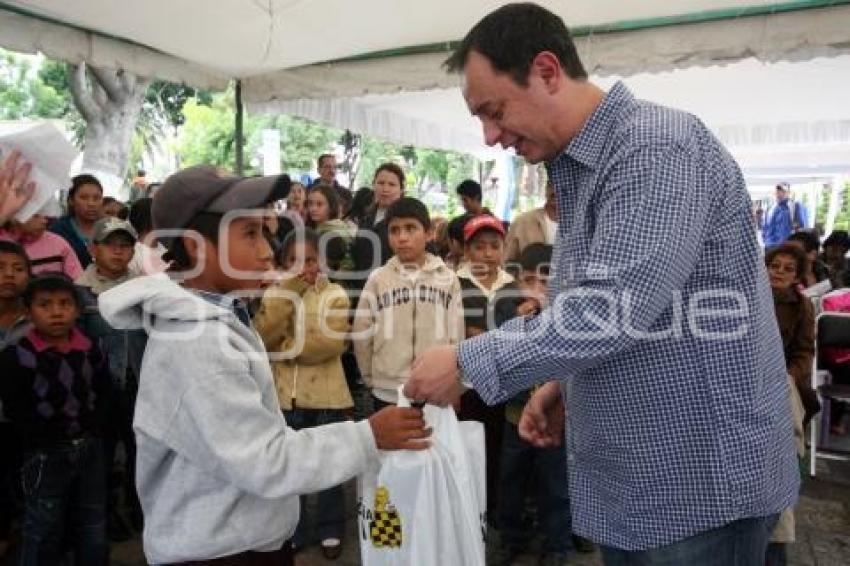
(128, 305)
(433, 265)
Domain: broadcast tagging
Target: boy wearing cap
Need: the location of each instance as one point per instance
(489, 298)
(408, 305)
(218, 471)
(112, 248)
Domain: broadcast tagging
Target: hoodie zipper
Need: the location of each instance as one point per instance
(294, 385)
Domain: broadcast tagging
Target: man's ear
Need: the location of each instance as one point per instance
(547, 67)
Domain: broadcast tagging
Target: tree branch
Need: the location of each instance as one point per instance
(108, 79)
(80, 92)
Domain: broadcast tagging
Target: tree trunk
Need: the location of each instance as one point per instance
(110, 101)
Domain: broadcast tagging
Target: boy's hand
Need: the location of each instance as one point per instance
(400, 428)
(528, 307)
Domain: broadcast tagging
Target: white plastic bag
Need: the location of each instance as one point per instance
(427, 508)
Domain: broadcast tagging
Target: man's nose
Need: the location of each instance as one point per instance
(492, 132)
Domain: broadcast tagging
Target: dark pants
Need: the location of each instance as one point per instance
(777, 554)
(740, 543)
(473, 408)
(65, 488)
(330, 522)
(121, 432)
(10, 461)
(521, 461)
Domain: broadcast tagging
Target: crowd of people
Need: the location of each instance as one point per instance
(342, 319)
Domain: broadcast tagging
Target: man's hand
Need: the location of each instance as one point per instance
(434, 377)
(400, 428)
(15, 190)
(542, 420)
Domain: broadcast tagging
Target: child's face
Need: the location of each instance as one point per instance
(317, 207)
(485, 252)
(782, 271)
(35, 226)
(13, 276)
(408, 238)
(535, 284)
(296, 196)
(303, 252)
(247, 251)
(53, 313)
(113, 255)
(112, 208)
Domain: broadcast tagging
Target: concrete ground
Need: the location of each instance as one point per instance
(823, 527)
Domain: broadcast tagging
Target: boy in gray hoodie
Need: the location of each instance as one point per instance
(218, 471)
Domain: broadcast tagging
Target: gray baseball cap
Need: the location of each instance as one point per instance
(205, 188)
(108, 225)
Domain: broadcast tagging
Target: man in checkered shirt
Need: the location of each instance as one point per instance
(661, 331)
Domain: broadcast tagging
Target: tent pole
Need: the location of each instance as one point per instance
(238, 133)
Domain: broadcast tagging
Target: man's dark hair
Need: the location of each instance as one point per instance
(49, 283)
(14, 248)
(790, 250)
(810, 241)
(536, 257)
(208, 225)
(140, 215)
(470, 188)
(322, 157)
(409, 207)
(512, 36)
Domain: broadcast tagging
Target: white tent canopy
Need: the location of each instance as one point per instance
(749, 68)
(206, 43)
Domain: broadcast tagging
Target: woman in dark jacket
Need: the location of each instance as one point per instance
(795, 314)
(85, 207)
(372, 243)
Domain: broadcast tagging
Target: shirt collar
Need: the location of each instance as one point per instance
(78, 341)
(502, 279)
(587, 146)
(232, 304)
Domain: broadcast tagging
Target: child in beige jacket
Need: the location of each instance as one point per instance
(303, 321)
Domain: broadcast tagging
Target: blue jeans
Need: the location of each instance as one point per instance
(520, 460)
(65, 488)
(330, 522)
(740, 543)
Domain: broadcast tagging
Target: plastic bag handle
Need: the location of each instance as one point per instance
(403, 401)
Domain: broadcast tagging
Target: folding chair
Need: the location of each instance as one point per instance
(833, 330)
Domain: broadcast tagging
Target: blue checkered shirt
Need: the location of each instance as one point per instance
(662, 331)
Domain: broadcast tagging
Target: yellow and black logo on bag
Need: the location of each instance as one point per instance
(385, 526)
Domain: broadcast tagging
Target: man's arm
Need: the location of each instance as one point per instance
(649, 233)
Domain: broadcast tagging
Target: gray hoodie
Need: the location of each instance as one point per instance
(218, 470)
